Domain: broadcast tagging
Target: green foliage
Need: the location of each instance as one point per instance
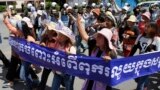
(48, 5)
(2, 8)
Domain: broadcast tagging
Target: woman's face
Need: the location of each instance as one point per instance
(51, 42)
(148, 29)
(130, 24)
(62, 38)
(52, 38)
(100, 40)
(109, 23)
(145, 19)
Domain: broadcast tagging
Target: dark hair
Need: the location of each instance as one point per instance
(48, 35)
(26, 30)
(80, 10)
(101, 17)
(154, 31)
(56, 14)
(89, 7)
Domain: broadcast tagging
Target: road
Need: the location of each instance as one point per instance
(19, 85)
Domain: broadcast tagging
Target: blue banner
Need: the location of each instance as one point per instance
(112, 72)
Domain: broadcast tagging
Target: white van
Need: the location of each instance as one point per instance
(147, 4)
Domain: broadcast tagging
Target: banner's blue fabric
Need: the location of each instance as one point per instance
(111, 72)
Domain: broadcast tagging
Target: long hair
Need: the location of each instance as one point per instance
(47, 36)
(154, 31)
(26, 30)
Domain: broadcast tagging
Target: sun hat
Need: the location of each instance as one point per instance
(132, 18)
(96, 11)
(68, 33)
(28, 21)
(147, 14)
(107, 33)
(111, 17)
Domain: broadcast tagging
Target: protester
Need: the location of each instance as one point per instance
(130, 33)
(100, 45)
(111, 24)
(10, 19)
(37, 23)
(64, 15)
(146, 42)
(65, 42)
(102, 28)
(48, 40)
(26, 69)
(145, 19)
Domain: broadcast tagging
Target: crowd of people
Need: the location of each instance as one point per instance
(105, 30)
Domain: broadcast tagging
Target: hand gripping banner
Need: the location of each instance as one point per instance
(112, 72)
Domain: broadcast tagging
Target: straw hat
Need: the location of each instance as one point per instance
(51, 26)
(132, 18)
